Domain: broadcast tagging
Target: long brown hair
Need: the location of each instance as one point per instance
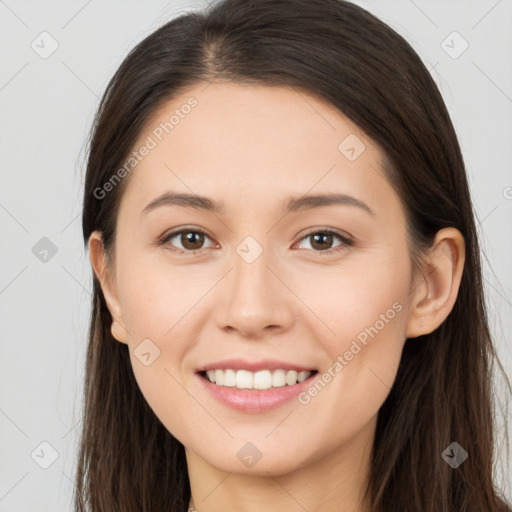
(443, 392)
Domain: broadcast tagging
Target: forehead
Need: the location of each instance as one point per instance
(225, 139)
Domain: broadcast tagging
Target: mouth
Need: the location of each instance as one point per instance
(258, 381)
(255, 391)
(254, 386)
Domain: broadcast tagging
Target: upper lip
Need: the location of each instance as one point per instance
(253, 366)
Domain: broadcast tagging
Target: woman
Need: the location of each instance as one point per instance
(288, 309)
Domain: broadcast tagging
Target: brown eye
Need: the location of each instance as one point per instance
(322, 241)
(191, 240)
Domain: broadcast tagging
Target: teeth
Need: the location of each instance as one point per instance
(303, 376)
(264, 379)
(229, 378)
(243, 379)
(261, 380)
(291, 377)
(278, 379)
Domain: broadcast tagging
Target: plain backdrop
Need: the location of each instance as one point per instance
(47, 103)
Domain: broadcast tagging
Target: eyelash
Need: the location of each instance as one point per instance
(347, 242)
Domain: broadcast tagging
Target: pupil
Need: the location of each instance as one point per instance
(189, 237)
(321, 236)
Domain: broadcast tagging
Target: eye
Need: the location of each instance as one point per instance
(321, 241)
(191, 240)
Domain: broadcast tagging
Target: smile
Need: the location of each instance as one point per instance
(255, 391)
(261, 380)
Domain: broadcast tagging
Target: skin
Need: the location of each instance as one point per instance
(253, 147)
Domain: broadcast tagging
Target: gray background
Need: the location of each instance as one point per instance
(46, 108)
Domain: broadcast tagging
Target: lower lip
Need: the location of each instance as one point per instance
(255, 400)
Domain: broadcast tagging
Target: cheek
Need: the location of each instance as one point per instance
(359, 300)
(160, 384)
(158, 312)
(160, 303)
(366, 308)
(156, 295)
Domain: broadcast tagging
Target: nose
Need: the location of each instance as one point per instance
(256, 299)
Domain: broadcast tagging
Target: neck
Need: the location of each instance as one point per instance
(334, 482)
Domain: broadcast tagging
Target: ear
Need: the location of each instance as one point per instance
(436, 291)
(106, 278)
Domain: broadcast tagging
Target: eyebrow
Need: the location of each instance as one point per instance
(302, 203)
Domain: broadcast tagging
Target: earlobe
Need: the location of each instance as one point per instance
(119, 332)
(103, 274)
(436, 293)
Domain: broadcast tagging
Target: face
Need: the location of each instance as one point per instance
(268, 284)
